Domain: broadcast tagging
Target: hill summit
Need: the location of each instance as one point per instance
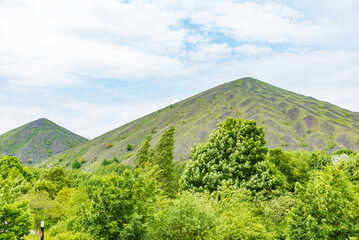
(38, 140)
(290, 120)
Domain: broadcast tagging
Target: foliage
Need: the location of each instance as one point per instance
(76, 164)
(319, 160)
(57, 176)
(83, 160)
(343, 151)
(327, 208)
(159, 158)
(9, 163)
(129, 147)
(235, 153)
(122, 207)
(143, 153)
(237, 216)
(162, 156)
(15, 219)
(109, 145)
(190, 217)
(293, 165)
(43, 208)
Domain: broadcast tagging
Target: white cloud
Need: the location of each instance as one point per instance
(54, 43)
(49, 46)
(252, 50)
(249, 21)
(209, 52)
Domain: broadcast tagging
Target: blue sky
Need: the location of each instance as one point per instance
(92, 66)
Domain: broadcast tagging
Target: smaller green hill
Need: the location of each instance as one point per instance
(38, 140)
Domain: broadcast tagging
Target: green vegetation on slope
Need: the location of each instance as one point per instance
(291, 121)
(38, 140)
(130, 204)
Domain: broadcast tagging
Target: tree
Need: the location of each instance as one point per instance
(191, 217)
(327, 208)
(162, 156)
(8, 163)
(238, 216)
(142, 154)
(57, 176)
(293, 165)
(43, 208)
(121, 208)
(235, 153)
(15, 220)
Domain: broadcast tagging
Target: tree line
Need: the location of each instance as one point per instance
(231, 187)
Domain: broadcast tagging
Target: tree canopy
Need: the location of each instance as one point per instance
(236, 153)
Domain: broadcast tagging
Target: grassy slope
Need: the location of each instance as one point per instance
(291, 121)
(38, 140)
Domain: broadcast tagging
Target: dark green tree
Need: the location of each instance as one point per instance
(234, 153)
(129, 147)
(76, 164)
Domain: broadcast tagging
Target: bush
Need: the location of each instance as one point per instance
(237, 216)
(129, 147)
(76, 164)
(109, 145)
(128, 155)
(106, 162)
(83, 160)
(326, 208)
(190, 217)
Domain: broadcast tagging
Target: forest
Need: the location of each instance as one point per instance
(231, 187)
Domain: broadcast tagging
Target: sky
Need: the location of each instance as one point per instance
(92, 66)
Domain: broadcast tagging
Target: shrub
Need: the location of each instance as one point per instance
(109, 145)
(76, 164)
(326, 208)
(83, 160)
(190, 217)
(129, 147)
(106, 162)
(128, 155)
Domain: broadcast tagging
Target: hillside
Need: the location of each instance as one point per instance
(38, 140)
(291, 121)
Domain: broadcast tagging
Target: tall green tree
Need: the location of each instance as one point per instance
(236, 153)
(143, 154)
(162, 156)
(326, 208)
